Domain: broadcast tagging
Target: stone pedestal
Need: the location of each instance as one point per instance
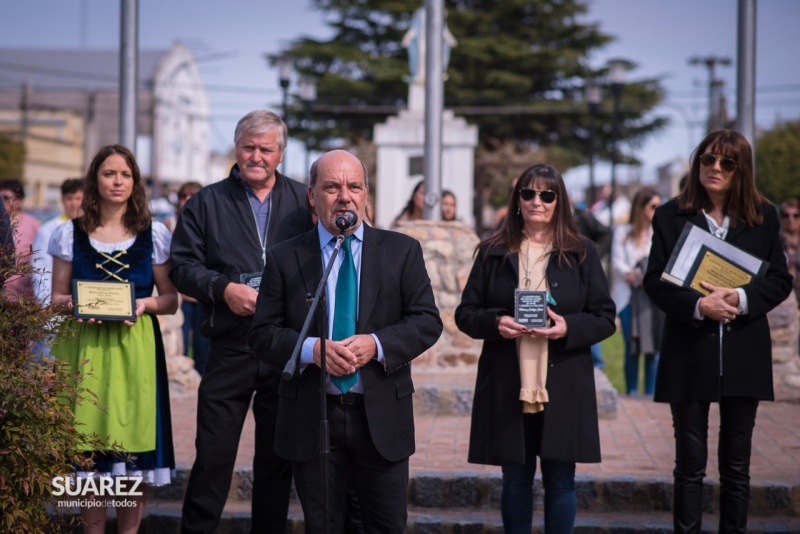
(784, 325)
(183, 379)
(402, 138)
(448, 249)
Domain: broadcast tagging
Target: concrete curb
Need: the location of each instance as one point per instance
(471, 490)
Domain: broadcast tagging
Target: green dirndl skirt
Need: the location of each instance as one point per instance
(125, 367)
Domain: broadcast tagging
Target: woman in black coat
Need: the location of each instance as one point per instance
(716, 348)
(535, 392)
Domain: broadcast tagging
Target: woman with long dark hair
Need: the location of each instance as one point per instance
(716, 347)
(641, 327)
(535, 391)
(412, 211)
(121, 363)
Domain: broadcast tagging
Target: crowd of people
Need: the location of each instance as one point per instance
(246, 254)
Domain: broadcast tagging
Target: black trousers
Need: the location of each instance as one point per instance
(231, 382)
(690, 421)
(354, 463)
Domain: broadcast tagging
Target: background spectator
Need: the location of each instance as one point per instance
(790, 236)
(641, 324)
(448, 205)
(24, 228)
(71, 199)
(192, 309)
(414, 206)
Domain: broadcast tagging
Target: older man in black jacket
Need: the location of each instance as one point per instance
(218, 253)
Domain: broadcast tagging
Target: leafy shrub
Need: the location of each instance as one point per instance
(38, 439)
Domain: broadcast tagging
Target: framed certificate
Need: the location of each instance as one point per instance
(700, 256)
(104, 300)
(716, 270)
(530, 308)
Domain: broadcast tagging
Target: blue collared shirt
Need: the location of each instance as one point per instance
(260, 211)
(326, 245)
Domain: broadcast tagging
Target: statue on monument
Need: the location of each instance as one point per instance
(414, 41)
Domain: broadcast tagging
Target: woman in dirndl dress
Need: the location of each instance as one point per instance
(122, 362)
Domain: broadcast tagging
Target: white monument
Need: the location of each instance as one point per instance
(400, 141)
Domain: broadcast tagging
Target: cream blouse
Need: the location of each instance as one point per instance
(533, 258)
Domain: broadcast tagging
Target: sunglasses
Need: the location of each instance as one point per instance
(788, 215)
(727, 164)
(548, 197)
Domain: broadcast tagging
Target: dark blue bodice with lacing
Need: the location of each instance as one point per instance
(132, 265)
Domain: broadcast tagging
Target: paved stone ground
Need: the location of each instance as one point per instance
(638, 442)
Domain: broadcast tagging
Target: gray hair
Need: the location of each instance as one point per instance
(312, 172)
(259, 122)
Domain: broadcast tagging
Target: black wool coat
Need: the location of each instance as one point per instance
(693, 367)
(570, 431)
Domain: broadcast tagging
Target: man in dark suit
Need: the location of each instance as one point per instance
(395, 320)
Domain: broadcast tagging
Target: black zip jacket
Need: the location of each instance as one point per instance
(216, 240)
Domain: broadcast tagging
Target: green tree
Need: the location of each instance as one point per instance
(517, 72)
(12, 157)
(777, 154)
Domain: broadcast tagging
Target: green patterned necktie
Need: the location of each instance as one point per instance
(344, 313)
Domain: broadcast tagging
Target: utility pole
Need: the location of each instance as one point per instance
(746, 73)
(128, 72)
(715, 96)
(434, 105)
(24, 107)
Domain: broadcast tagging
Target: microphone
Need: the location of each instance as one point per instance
(346, 220)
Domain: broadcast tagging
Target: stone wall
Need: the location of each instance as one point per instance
(448, 248)
(183, 379)
(784, 324)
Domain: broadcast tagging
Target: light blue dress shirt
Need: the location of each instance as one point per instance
(326, 245)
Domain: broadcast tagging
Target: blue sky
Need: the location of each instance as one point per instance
(659, 36)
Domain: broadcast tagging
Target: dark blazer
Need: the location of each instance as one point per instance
(395, 303)
(689, 365)
(570, 418)
(216, 240)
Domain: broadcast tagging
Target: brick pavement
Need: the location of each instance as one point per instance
(638, 442)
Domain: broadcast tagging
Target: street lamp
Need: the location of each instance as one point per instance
(308, 94)
(616, 77)
(592, 95)
(285, 64)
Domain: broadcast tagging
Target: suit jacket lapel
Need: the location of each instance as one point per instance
(372, 256)
(309, 261)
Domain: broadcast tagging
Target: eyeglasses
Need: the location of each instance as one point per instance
(548, 197)
(794, 215)
(727, 164)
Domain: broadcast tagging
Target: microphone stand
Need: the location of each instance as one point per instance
(290, 369)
